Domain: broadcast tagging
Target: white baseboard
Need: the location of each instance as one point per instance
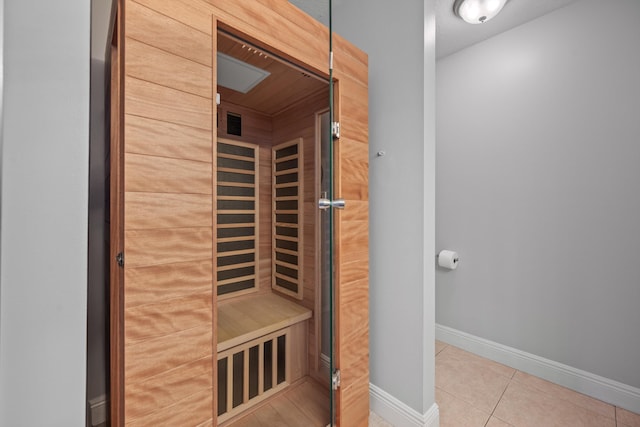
(399, 414)
(610, 391)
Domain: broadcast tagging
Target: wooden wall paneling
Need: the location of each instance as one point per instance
(170, 316)
(195, 14)
(190, 411)
(164, 175)
(164, 32)
(179, 28)
(351, 231)
(168, 242)
(256, 126)
(170, 281)
(148, 63)
(265, 216)
(165, 139)
(167, 104)
(116, 218)
(166, 210)
(144, 248)
(293, 34)
(170, 389)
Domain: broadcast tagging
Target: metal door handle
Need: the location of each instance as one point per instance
(325, 204)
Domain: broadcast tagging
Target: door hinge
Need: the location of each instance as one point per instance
(335, 129)
(120, 259)
(335, 379)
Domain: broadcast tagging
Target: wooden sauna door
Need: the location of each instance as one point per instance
(163, 334)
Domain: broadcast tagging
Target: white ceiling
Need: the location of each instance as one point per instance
(452, 33)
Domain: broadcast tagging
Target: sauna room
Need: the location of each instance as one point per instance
(272, 332)
(235, 300)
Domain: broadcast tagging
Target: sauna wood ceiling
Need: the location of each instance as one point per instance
(284, 87)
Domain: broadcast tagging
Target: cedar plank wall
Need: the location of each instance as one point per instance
(168, 299)
(299, 121)
(256, 129)
(182, 31)
(351, 167)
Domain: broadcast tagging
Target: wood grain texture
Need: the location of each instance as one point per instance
(284, 86)
(167, 317)
(298, 360)
(193, 410)
(164, 175)
(256, 126)
(166, 210)
(352, 236)
(179, 28)
(166, 282)
(169, 389)
(163, 103)
(164, 139)
(166, 246)
(353, 404)
(153, 357)
(189, 12)
(116, 219)
(168, 242)
(162, 31)
(148, 63)
(249, 317)
(354, 114)
(303, 404)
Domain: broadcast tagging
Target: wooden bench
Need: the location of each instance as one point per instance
(262, 348)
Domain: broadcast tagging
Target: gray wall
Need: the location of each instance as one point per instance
(401, 189)
(43, 287)
(538, 188)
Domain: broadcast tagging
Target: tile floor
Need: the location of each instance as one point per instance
(472, 391)
(376, 421)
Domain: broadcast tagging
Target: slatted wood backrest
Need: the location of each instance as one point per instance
(237, 217)
(287, 258)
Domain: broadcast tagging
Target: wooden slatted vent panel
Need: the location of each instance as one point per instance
(287, 218)
(251, 372)
(236, 217)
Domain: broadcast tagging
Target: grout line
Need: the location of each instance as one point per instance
(495, 407)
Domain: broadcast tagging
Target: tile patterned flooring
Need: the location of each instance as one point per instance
(472, 391)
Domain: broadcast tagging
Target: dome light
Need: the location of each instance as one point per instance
(478, 11)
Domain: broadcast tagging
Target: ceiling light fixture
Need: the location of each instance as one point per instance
(478, 11)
